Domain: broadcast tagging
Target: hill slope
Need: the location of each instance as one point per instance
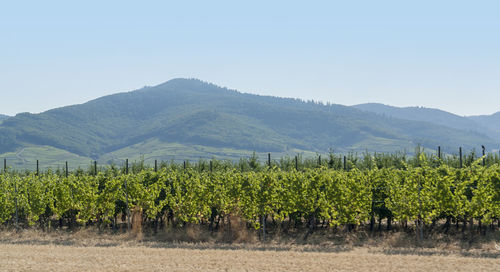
(491, 122)
(194, 113)
(490, 125)
(3, 117)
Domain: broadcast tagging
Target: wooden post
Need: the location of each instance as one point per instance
(17, 214)
(66, 168)
(184, 165)
(5, 165)
(439, 152)
(156, 165)
(345, 163)
(372, 214)
(420, 225)
(297, 162)
(264, 228)
(460, 155)
(319, 160)
(269, 159)
(126, 167)
(37, 170)
(126, 202)
(95, 168)
(484, 153)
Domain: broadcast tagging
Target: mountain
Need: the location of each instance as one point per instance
(191, 116)
(491, 122)
(3, 117)
(487, 125)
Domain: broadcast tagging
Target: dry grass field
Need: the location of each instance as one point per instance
(84, 251)
(72, 258)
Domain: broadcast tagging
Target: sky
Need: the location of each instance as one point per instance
(439, 54)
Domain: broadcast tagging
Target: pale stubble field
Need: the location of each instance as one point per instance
(31, 252)
(71, 258)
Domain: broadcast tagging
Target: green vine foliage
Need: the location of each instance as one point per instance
(337, 197)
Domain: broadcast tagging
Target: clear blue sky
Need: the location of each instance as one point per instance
(443, 54)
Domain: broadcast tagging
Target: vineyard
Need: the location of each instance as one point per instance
(264, 198)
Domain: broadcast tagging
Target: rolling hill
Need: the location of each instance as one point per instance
(3, 117)
(490, 122)
(485, 124)
(192, 118)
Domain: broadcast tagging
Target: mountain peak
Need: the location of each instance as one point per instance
(182, 80)
(186, 82)
(192, 112)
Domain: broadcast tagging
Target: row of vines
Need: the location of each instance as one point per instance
(288, 199)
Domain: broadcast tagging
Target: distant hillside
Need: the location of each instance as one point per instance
(490, 126)
(491, 122)
(3, 117)
(188, 113)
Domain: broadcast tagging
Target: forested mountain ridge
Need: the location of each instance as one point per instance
(193, 112)
(491, 122)
(484, 124)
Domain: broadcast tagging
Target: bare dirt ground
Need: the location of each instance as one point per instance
(84, 251)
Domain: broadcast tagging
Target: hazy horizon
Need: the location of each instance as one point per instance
(432, 54)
